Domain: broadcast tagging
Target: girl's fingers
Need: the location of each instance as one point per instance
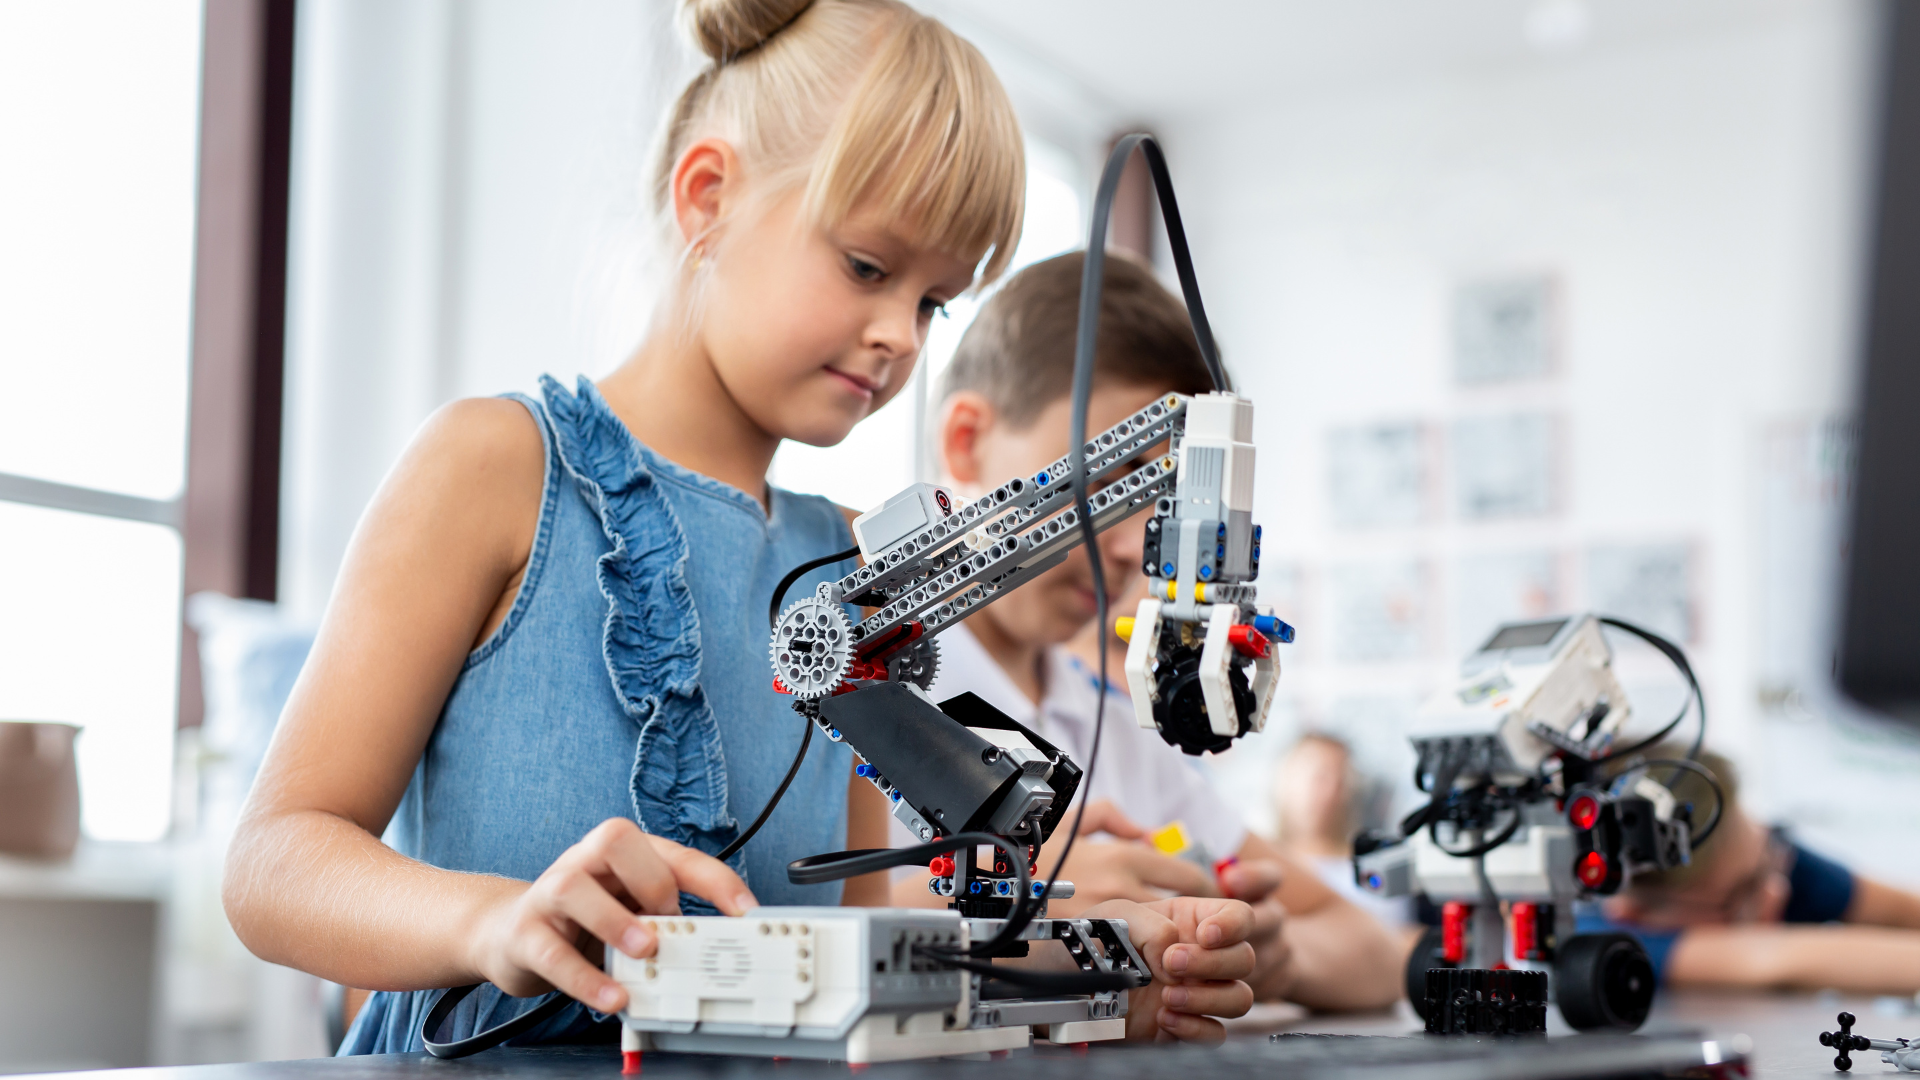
(1188, 1028)
(1184, 962)
(580, 897)
(705, 876)
(616, 847)
(554, 959)
(1209, 998)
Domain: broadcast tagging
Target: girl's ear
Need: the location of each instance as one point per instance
(965, 421)
(706, 184)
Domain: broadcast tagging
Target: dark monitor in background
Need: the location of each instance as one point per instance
(1879, 661)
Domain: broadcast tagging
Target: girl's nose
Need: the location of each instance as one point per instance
(895, 329)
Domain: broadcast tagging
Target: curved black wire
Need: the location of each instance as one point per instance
(766, 811)
(443, 1007)
(1706, 774)
(1047, 982)
(839, 865)
(1086, 335)
(793, 575)
(1474, 852)
(1695, 699)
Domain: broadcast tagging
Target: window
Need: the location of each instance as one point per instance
(99, 116)
(867, 467)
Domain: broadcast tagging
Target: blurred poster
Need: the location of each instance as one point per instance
(1648, 584)
(1378, 611)
(1377, 475)
(1491, 588)
(1503, 466)
(1503, 329)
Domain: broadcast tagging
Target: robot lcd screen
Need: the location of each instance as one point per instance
(1524, 636)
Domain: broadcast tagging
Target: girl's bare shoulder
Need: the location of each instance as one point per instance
(476, 467)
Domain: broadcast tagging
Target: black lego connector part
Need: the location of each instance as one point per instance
(1481, 1001)
(953, 777)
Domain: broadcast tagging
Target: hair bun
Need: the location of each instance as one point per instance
(724, 29)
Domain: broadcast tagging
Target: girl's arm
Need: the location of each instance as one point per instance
(1850, 959)
(432, 568)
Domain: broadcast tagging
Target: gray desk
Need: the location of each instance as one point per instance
(1782, 1029)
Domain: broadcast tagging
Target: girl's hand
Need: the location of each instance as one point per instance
(1197, 949)
(531, 939)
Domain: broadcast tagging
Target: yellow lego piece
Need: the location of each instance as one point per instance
(1123, 628)
(1170, 840)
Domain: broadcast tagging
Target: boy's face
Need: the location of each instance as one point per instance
(979, 450)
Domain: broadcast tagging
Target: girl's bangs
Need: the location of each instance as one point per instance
(927, 137)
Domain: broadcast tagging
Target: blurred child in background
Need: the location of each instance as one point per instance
(1755, 909)
(1317, 797)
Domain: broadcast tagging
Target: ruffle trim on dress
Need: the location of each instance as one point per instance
(651, 639)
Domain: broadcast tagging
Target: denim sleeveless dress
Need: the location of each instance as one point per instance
(629, 679)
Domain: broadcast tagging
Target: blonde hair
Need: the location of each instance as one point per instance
(862, 103)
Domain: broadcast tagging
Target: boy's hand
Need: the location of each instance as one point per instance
(1197, 949)
(530, 939)
(1102, 870)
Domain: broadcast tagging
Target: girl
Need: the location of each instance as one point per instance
(543, 673)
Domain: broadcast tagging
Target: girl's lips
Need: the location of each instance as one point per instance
(866, 388)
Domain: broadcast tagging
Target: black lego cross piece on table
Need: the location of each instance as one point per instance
(1845, 1041)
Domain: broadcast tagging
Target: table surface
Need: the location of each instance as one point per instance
(1781, 1028)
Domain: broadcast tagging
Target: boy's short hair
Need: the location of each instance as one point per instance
(1019, 351)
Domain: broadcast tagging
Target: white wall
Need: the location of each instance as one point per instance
(1693, 199)
(468, 212)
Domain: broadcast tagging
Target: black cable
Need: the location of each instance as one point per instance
(1712, 781)
(443, 1008)
(793, 575)
(1474, 852)
(1694, 699)
(1086, 335)
(1049, 982)
(766, 811)
(839, 865)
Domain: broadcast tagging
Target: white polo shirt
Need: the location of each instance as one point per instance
(1149, 781)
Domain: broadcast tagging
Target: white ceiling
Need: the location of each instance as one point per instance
(1158, 59)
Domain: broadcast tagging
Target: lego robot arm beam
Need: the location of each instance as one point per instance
(1014, 533)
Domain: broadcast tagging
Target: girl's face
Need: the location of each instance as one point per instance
(810, 329)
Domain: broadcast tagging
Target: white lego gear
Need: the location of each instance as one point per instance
(812, 647)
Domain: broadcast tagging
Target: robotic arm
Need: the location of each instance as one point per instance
(867, 985)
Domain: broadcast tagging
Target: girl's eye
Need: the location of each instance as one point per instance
(929, 307)
(865, 270)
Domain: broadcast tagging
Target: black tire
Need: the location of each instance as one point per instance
(1603, 982)
(1425, 955)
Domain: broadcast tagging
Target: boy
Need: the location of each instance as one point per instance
(1005, 412)
(1755, 909)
